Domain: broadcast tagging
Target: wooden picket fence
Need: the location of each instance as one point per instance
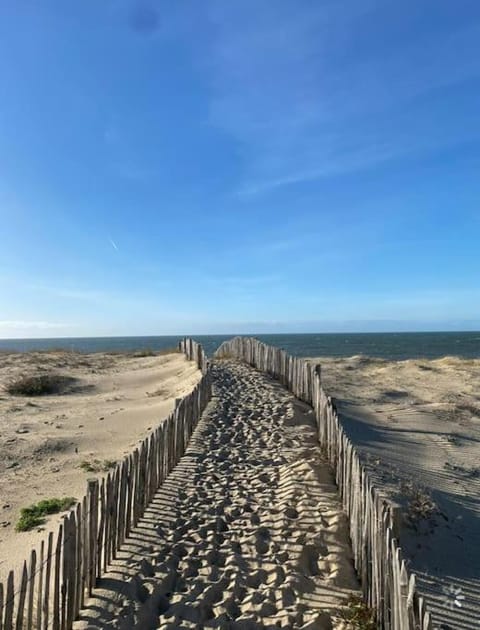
(388, 586)
(194, 352)
(53, 585)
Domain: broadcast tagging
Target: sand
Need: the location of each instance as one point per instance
(247, 532)
(116, 400)
(418, 424)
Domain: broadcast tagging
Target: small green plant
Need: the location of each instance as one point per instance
(34, 515)
(97, 465)
(149, 352)
(146, 352)
(358, 615)
(39, 385)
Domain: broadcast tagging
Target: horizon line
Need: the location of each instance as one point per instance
(252, 334)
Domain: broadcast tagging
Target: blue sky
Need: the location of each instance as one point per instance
(195, 167)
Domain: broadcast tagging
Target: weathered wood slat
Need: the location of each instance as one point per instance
(57, 570)
(72, 571)
(91, 545)
(79, 579)
(31, 588)
(102, 507)
(22, 598)
(130, 480)
(66, 560)
(1, 606)
(48, 571)
(9, 602)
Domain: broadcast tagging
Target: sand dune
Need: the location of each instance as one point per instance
(247, 532)
(418, 424)
(45, 440)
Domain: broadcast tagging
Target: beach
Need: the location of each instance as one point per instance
(247, 532)
(52, 444)
(417, 424)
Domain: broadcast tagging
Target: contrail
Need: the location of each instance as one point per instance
(113, 244)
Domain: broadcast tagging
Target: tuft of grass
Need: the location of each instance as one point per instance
(420, 505)
(142, 352)
(148, 352)
(34, 515)
(96, 465)
(58, 350)
(145, 352)
(454, 438)
(39, 385)
(358, 615)
(158, 392)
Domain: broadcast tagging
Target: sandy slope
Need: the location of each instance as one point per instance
(246, 533)
(418, 422)
(117, 399)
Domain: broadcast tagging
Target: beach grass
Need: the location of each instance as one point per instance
(149, 352)
(358, 615)
(34, 515)
(97, 465)
(39, 385)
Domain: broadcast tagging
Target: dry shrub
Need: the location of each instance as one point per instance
(39, 385)
(358, 615)
(420, 505)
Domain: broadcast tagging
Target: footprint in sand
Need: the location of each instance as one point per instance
(223, 561)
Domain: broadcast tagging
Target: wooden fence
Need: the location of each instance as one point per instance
(51, 589)
(388, 587)
(194, 352)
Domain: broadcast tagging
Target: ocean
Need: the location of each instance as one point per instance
(383, 345)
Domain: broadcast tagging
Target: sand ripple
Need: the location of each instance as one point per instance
(247, 532)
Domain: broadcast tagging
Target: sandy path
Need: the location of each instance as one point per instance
(247, 532)
(45, 440)
(418, 424)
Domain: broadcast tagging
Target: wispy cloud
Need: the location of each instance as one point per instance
(303, 102)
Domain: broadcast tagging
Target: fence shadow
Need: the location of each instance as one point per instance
(388, 586)
(55, 582)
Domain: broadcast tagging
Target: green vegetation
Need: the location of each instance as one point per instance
(358, 615)
(40, 385)
(148, 352)
(96, 465)
(34, 515)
